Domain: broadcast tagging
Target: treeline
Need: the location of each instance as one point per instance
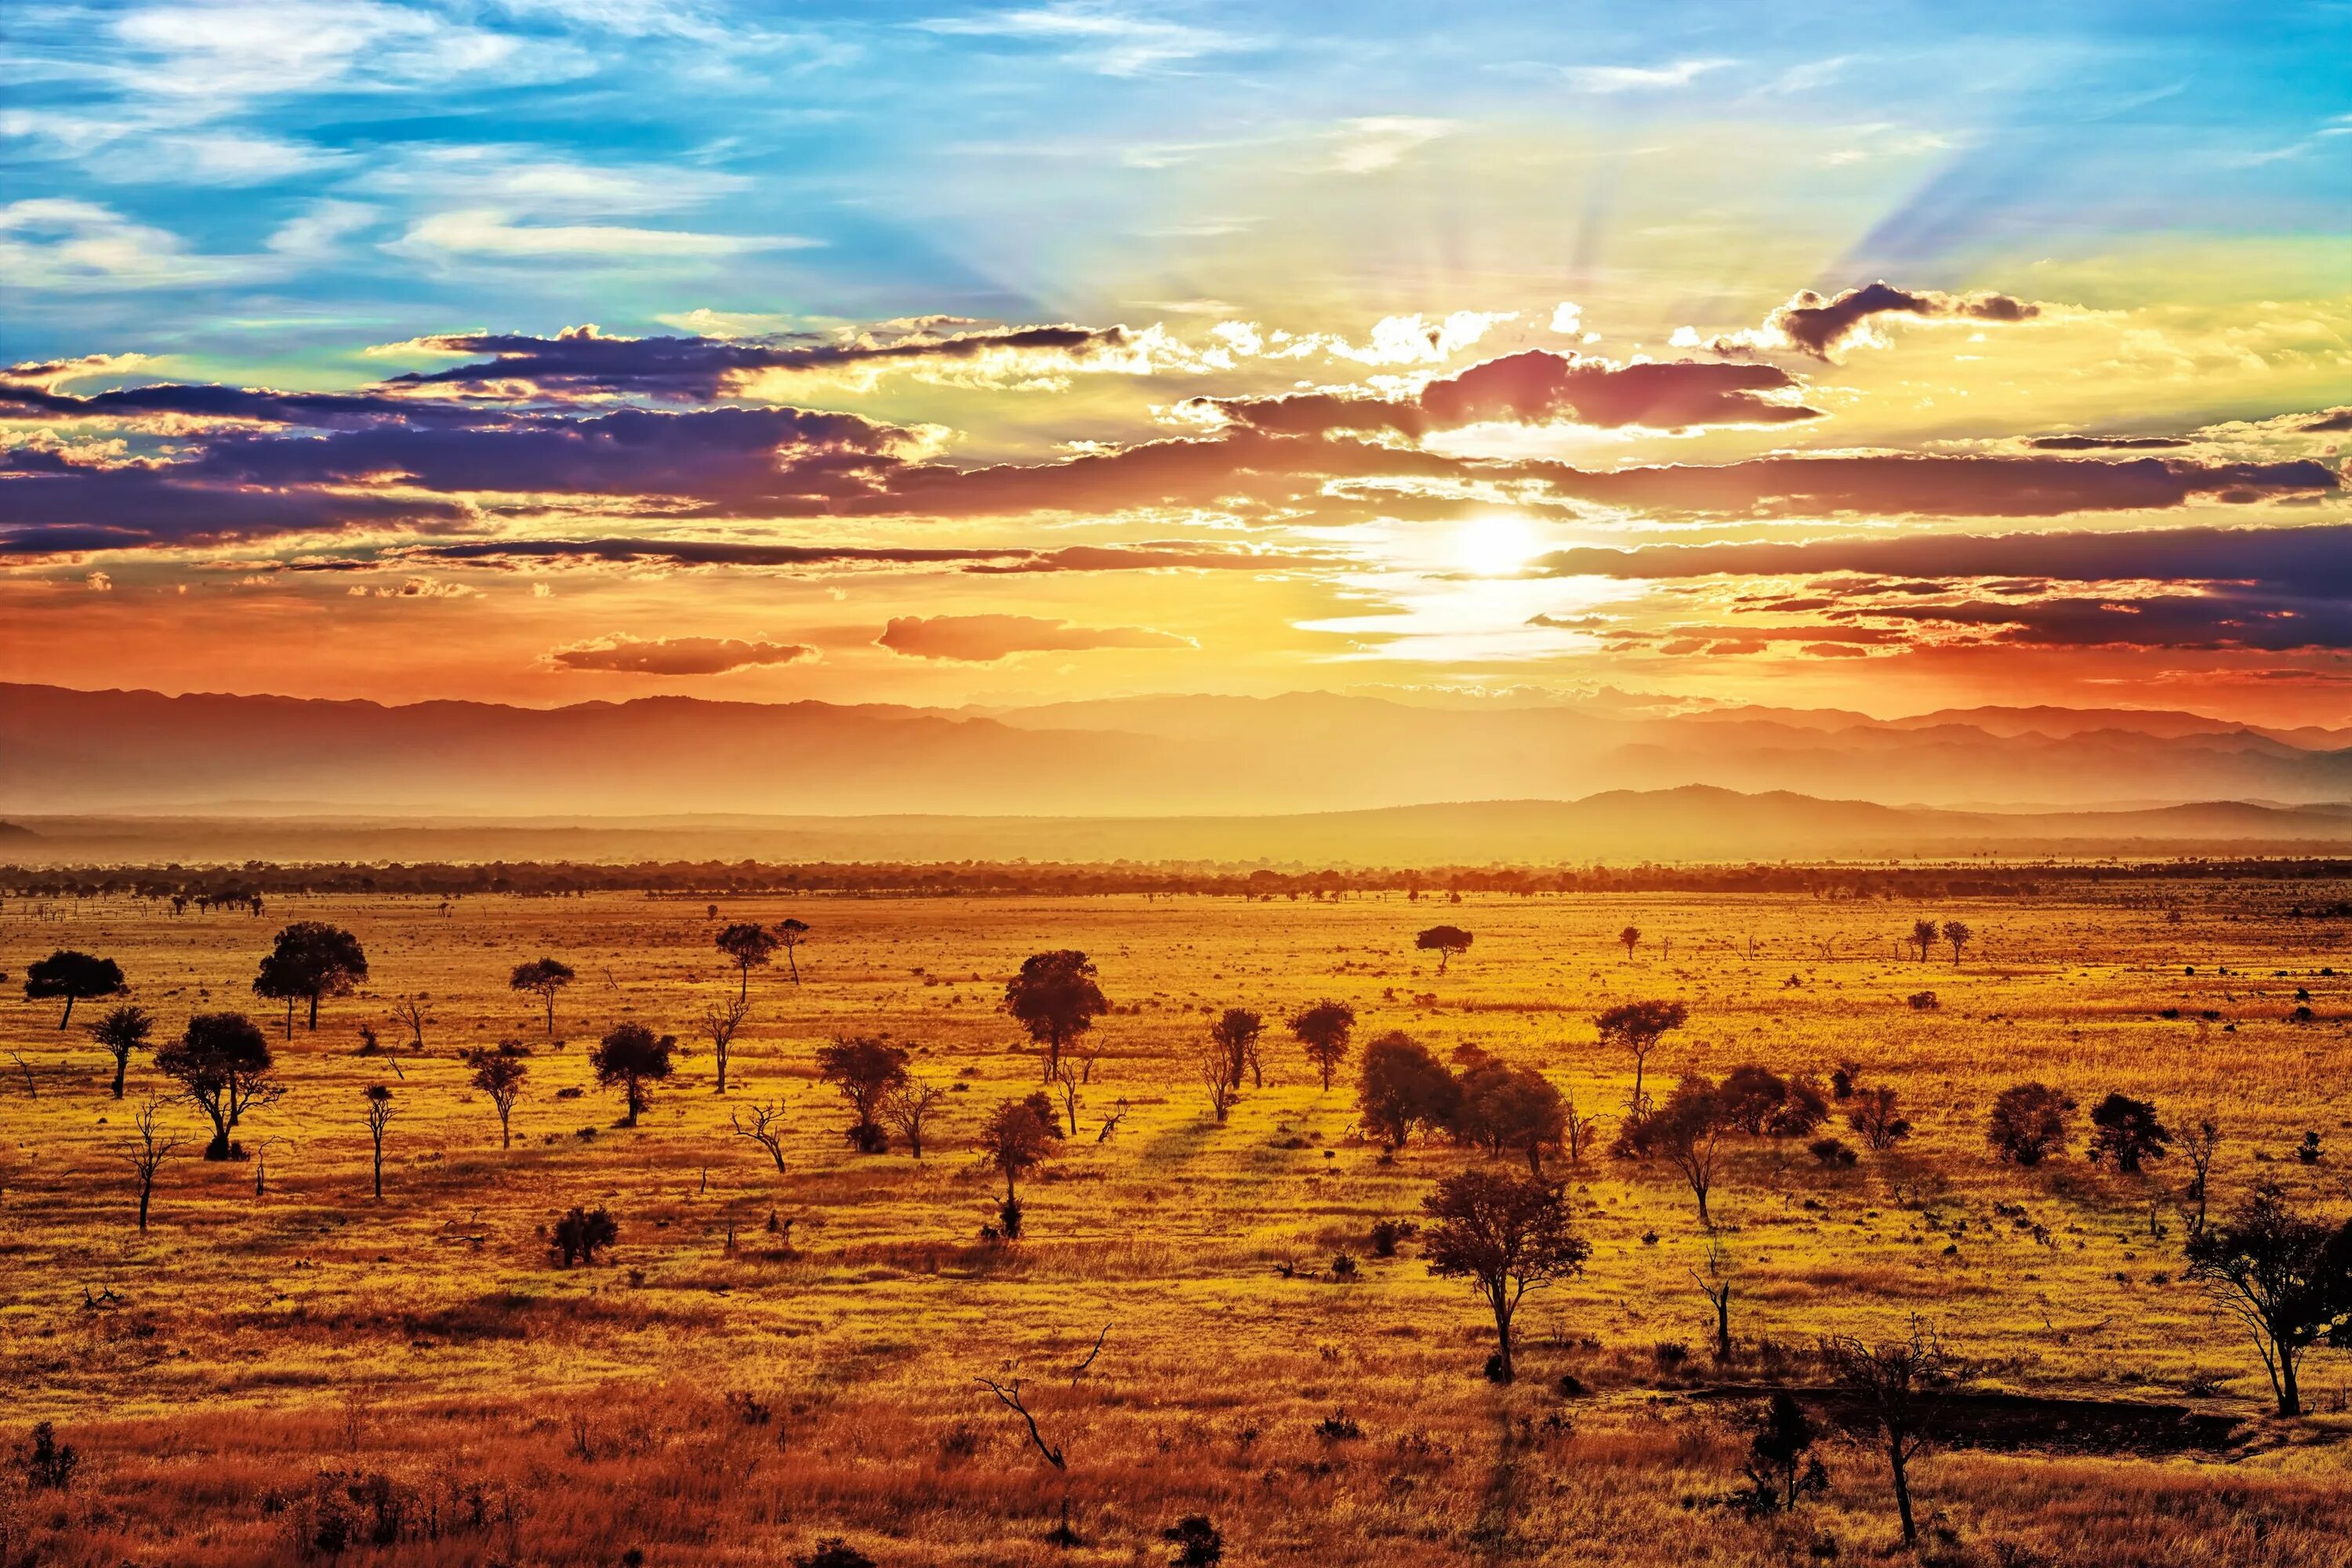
(208, 887)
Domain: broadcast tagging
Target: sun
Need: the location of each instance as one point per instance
(1496, 545)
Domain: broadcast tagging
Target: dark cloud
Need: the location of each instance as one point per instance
(2106, 443)
(49, 507)
(583, 360)
(982, 640)
(2316, 561)
(1000, 560)
(674, 655)
(1540, 387)
(2334, 420)
(1812, 324)
(2221, 617)
(200, 402)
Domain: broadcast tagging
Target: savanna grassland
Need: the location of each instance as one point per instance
(721, 1387)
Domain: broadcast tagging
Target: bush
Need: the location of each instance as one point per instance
(1008, 1217)
(1197, 1542)
(2028, 1123)
(833, 1551)
(1387, 1232)
(581, 1234)
(48, 1464)
(1338, 1427)
(1832, 1152)
(1923, 1002)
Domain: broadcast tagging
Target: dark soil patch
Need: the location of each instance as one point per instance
(2017, 1423)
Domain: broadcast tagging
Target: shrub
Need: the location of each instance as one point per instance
(580, 1235)
(1832, 1152)
(1338, 1427)
(1923, 1002)
(833, 1551)
(2028, 1123)
(2127, 1131)
(1197, 1542)
(1387, 1232)
(48, 1464)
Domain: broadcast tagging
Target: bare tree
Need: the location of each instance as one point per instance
(409, 1014)
(1894, 1384)
(720, 1021)
(766, 1129)
(2200, 1144)
(1214, 1063)
(380, 1113)
(1721, 1270)
(1577, 1132)
(1069, 1074)
(147, 1155)
(909, 1108)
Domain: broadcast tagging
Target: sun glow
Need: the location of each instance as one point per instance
(1496, 545)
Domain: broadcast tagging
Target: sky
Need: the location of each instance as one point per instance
(1880, 357)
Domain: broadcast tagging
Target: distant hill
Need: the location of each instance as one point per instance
(77, 751)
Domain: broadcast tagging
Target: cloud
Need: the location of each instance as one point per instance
(2334, 421)
(1639, 78)
(624, 655)
(1812, 325)
(62, 243)
(2106, 443)
(1537, 387)
(485, 231)
(982, 639)
(1367, 146)
(1099, 38)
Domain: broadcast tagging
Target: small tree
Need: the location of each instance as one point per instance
(148, 1153)
(581, 1234)
(2285, 1276)
(1013, 1141)
(1893, 1384)
(76, 976)
(1923, 936)
(766, 1129)
(310, 960)
(1877, 1119)
(1214, 1062)
(1630, 938)
(1237, 1031)
(750, 945)
(720, 1020)
(864, 1070)
(1957, 934)
(1324, 1030)
(1403, 1087)
(1687, 1131)
(224, 1064)
(1714, 1276)
(123, 1030)
(2201, 1143)
(499, 1073)
(380, 1113)
(1513, 1110)
(1444, 941)
(409, 1014)
(635, 1057)
(2028, 1123)
(542, 977)
(1056, 999)
(2128, 1130)
(1638, 1026)
(1506, 1235)
(790, 934)
(909, 1108)
(1781, 1467)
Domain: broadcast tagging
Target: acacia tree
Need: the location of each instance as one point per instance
(1687, 1130)
(750, 945)
(1444, 941)
(909, 1108)
(543, 977)
(1055, 999)
(864, 1069)
(1513, 1110)
(224, 1064)
(2028, 1123)
(1638, 1026)
(1957, 934)
(2284, 1274)
(1631, 938)
(1404, 1087)
(1506, 1235)
(148, 1154)
(123, 1030)
(380, 1113)
(499, 1073)
(1324, 1030)
(1014, 1140)
(1236, 1033)
(1923, 937)
(790, 934)
(310, 960)
(1893, 1384)
(720, 1020)
(76, 976)
(2129, 1130)
(635, 1057)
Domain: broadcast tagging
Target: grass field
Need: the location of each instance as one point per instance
(258, 1366)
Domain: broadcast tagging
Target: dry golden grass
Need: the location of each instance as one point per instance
(268, 1359)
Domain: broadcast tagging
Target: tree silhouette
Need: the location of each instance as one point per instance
(580, 1235)
(1214, 1063)
(1404, 1087)
(766, 1129)
(76, 976)
(909, 1108)
(123, 1030)
(1687, 1131)
(1638, 1026)
(1014, 1139)
(1893, 1384)
(2028, 1123)
(2128, 1130)
(1506, 1235)
(311, 960)
(1323, 1029)
(1511, 1109)
(635, 1057)
(1056, 999)
(790, 934)
(720, 1020)
(1631, 938)
(148, 1154)
(1444, 941)
(544, 977)
(750, 945)
(862, 1069)
(499, 1074)
(1957, 934)
(2285, 1276)
(1923, 936)
(1237, 1032)
(1781, 1466)
(1877, 1119)
(223, 1065)
(380, 1113)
